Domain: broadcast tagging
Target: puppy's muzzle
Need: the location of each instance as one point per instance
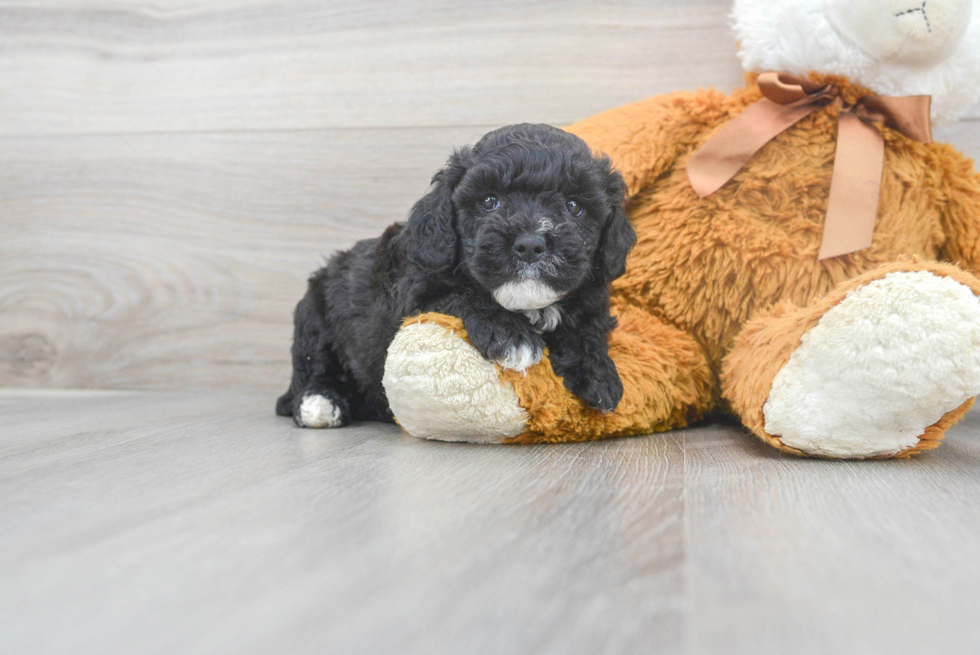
(530, 247)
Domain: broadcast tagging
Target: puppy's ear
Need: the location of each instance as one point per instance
(432, 240)
(618, 236)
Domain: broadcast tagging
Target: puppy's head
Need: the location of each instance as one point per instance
(529, 213)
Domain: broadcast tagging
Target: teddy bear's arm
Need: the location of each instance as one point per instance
(961, 217)
(645, 138)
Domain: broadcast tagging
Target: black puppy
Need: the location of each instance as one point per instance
(519, 236)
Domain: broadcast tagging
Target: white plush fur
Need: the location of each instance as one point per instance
(525, 294)
(318, 412)
(881, 366)
(441, 388)
(799, 36)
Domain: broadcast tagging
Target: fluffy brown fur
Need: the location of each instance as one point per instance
(766, 343)
(704, 268)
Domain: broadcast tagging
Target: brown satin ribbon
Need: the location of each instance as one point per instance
(856, 181)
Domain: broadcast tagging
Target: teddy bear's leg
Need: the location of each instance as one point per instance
(440, 387)
(880, 367)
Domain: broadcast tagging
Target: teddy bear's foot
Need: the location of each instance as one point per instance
(879, 368)
(440, 387)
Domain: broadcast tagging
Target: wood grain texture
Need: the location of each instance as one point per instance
(808, 556)
(199, 523)
(174, 261)
(217, 65)
(171, 261)
(216, 527)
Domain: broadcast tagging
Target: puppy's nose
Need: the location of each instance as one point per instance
(530, 247)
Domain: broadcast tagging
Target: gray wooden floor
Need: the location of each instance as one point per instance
(161, 522)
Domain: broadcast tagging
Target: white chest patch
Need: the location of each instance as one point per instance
(525, 295)
(544, 320)
(881, 366)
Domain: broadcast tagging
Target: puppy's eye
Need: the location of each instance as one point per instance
(489, 203)
(574, 208)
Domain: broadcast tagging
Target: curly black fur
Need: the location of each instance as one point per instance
(528, 209)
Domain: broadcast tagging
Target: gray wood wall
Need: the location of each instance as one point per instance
(171, 171)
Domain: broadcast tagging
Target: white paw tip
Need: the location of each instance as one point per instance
(317, 411)
(521, 358)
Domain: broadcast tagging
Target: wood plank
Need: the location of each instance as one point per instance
(217, 527)
(174, 261)
(113, 67)
(178, 66)
(198, 522)
(805, 556)
(171, 261)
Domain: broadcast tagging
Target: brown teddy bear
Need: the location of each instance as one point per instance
(829, 326)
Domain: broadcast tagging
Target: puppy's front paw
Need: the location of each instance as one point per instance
(521, 357)
(598, 386)
(508, 342)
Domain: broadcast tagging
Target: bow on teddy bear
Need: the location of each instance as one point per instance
(727, 304)
(856, 181)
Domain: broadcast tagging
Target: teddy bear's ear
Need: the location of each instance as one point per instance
(431, 239)
(618, 236)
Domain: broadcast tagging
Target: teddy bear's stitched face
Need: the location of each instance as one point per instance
(908, 32)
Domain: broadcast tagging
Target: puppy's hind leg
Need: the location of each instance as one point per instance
(315, 397)
(324, 408)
